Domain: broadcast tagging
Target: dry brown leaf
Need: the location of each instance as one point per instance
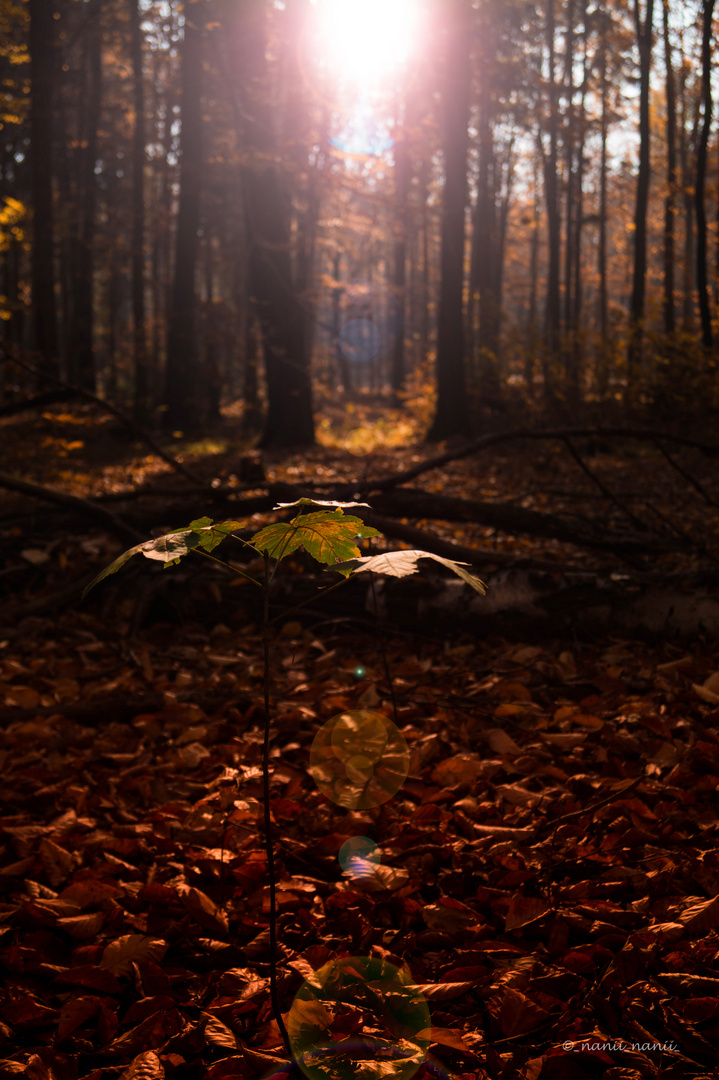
(524, 910)
(458, 769)
(701, 918)
(119, 956)
(203, 910)
(146, 1066)
(501, 742)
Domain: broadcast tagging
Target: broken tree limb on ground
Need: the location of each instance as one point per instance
(477, 445)
(83, 507)
(511, 519)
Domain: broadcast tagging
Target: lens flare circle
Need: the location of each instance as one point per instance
(359, 759)
(358, 856)
(347, 996)
(360, 340)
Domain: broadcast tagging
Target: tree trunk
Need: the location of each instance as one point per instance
(42, 271)
(702, 283)
(687, 148)
(552, 320)
(402, 180)
(142, 389)
(278, 307)
(452, 414)
(636, 307)
(485, 246)
(603, 304)
(181, 375)
(80, 339)
(672, 181)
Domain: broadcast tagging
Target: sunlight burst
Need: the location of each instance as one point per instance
(366, 40)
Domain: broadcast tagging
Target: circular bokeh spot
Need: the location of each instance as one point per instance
(359, 759)
(346, 999)
(360, 340)
(358, 856)
(360, 442)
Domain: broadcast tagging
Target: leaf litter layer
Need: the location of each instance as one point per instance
(548, 871)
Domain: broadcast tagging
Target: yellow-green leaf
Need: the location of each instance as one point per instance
(328, 537)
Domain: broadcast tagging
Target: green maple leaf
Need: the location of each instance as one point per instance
(404, 563)
(169, 549)
(328, 537)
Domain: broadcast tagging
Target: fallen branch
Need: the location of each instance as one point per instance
(72, 502)
(477, 445)
(426, 541)
(511, 519)
(552, 825)
(99, 711)
(691, 480)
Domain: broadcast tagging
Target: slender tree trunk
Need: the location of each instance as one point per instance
(687, 145)
(80, 343)
(139, 340)
(532, 320)
(426, 283)
(42, 269)
(452, 414)
(603, 313)
(211, 374)
(702, 150)
(570, 171)
(574, 308)
(485, 239)
(181, 374)
(551, 189)
(402, 179)
(668, 308)
(637, 304)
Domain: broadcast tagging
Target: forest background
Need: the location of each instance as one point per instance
(477, 207)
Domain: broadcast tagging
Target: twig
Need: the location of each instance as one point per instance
(696, 544)
(269, 844)
(637, 522)
(575, 815)
(686, 475)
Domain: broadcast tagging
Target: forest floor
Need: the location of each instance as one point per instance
(548, 871)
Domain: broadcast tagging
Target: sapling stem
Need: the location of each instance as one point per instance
(269, 844)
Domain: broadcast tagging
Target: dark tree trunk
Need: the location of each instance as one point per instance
(181, 375)
(570, 171)
(278, 307)
(551, 186)
(42, 270)
(139, 340)
(687, 150)
(603, 303)
(639, 276)
(702, 149)
(402, 179)
(672, 181)
(452, 414)
(532, 321)
(485, 240)
(80, 340)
